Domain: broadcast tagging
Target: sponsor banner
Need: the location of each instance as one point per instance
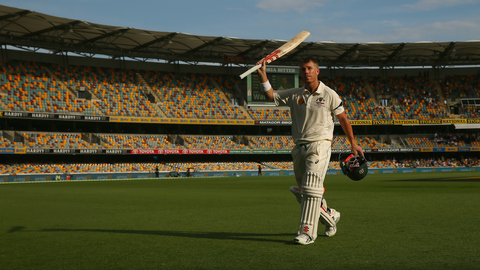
(445, 169)
(430, 122)
(240, 151)
(131, 119)
(6, 150)
(54, 116)
(95, 118)
(115, 151)
(454, 121)
(288, 70)
(218, 151)
(43, 115)
(124, 119)
(274, 122)
(70, 151)
(89, 151)
(15, 114)
(70, 117)
(382, 122)
(179, 151)
(28, 178)
(148, 151)
(446, 149)
(361, 122)
(19, 150)
(63, 151)
(38, 151)
(387, 150)
(405, 122)
(263, 151)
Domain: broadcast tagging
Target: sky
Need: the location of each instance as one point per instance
(342, 21)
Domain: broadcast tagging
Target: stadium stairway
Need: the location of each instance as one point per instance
(441, 95)
(154, 94)
(92, 103)
(60, 82)
(222, 94)
(4, 106)
(374, 97)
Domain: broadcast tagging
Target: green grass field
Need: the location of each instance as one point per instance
(395, 221)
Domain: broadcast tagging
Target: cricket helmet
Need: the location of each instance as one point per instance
(356, 168)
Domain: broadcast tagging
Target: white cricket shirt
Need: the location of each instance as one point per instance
(312, 114)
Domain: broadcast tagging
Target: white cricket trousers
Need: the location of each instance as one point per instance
(313, 157)
(310, 164)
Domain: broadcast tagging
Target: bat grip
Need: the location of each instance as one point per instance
(248, 72)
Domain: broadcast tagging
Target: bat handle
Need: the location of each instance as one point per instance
(248, 72)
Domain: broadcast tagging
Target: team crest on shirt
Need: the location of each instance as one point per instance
(320, 102)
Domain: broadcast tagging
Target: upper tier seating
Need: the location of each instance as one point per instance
(119, 90)
(28, 87)
(467, 86)
(413, 97)
(357, 102)
(190, 95)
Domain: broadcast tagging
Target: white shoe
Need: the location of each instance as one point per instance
(303, 239)
(332, 230)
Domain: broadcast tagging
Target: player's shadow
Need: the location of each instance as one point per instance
(258, 237)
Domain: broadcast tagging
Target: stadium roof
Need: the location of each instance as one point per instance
(35, 31)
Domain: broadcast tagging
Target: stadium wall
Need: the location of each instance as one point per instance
(28, 178)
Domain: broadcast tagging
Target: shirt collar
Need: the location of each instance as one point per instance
(319, 89)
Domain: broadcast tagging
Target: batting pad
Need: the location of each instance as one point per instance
(298, 194)
(326, 218)
(312, 190)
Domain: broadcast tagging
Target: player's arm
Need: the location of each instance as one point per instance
(347, 128)
(262, 72)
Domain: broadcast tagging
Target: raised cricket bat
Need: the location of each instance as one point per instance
(281, 51)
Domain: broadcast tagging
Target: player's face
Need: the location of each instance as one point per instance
(309, 72)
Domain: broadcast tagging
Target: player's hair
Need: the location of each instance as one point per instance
(308, 59)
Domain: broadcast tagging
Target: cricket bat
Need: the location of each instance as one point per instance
(281, 51)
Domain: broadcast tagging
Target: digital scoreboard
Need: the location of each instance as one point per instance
(280, 78)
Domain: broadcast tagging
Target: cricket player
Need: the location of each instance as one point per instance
(312, 108)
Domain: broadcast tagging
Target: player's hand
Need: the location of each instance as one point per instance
(357, 150)
(263, 72)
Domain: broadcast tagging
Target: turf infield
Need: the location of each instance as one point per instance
(394, 221)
